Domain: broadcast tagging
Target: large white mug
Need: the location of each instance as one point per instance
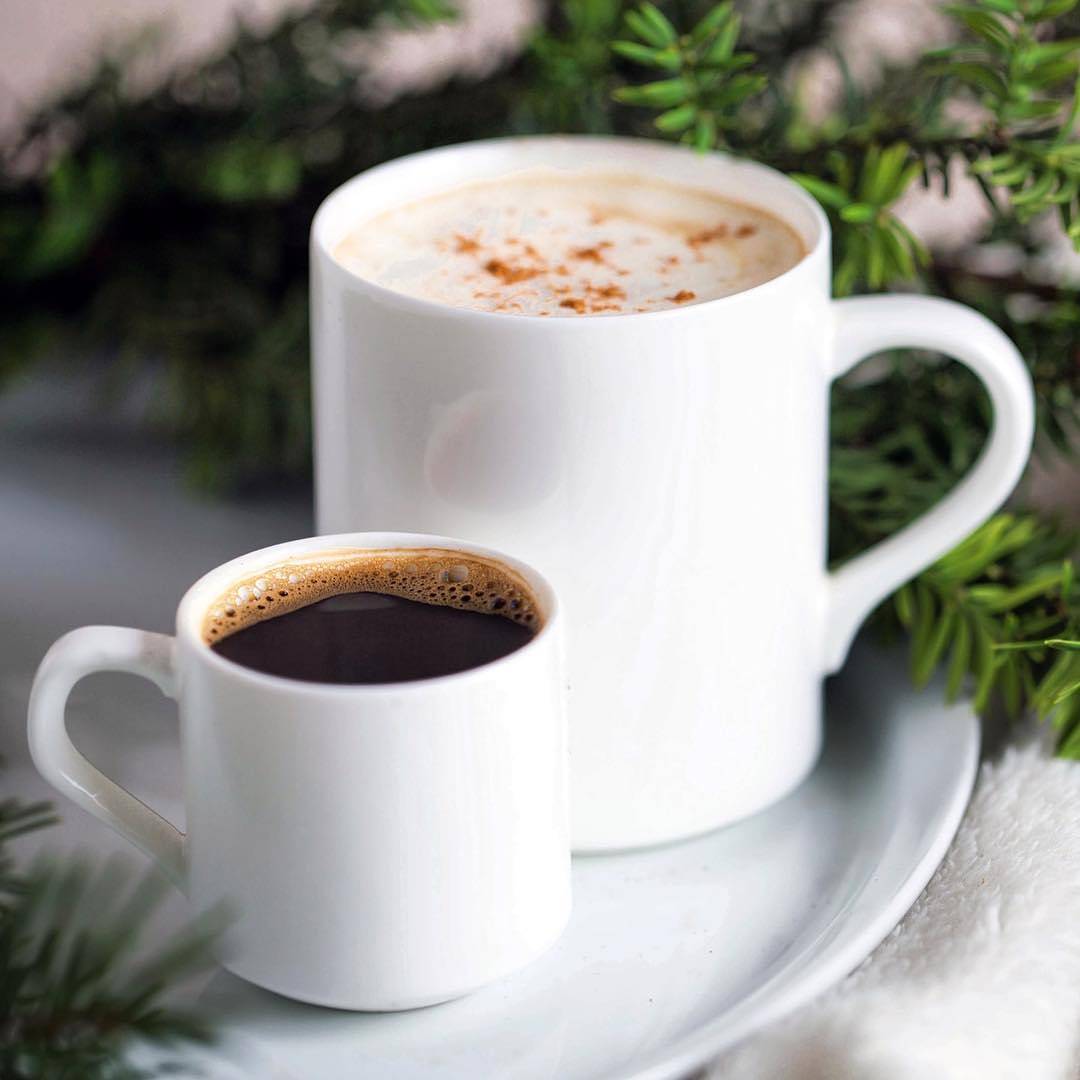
(377, 846)
(666, 470)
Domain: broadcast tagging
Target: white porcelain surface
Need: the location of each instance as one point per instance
(675, 953)
(666, 471)
(377, 847)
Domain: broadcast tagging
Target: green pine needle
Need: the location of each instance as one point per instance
(1002, 609)
(709, 83)
(79, 986)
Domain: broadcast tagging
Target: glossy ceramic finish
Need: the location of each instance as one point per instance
(665, 470)
(676, 953)
(379, 847)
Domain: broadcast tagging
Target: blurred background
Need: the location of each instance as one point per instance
(161, 162)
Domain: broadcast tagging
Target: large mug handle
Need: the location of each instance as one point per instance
(83, 652)
(869, 324)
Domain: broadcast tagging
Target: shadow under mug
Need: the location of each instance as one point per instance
(377, 847)
(666, 470)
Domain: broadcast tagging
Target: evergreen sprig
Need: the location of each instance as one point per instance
(899, 444)
(864, 159)
(1044, 322)
(1028, 80)
(708, 82)
(878, 248)
(1001, 612)
(79, 986)
(569, 88)
(74, 995)
(213, 178)
(16, 819)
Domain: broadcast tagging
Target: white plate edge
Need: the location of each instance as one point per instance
(697, 1050)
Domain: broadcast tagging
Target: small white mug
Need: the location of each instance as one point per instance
(378, 847)
(666, 471)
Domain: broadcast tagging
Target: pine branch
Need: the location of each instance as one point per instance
(216, 191)
(17, 819)
(877, 248)
(779, 30)
(1044, 322)
(707, 81)
(712, 97)
(861, 162)
(78, 987)
(74, 992)
(899, 444)
(571, 69)
(1028, 81)
(1001, 612)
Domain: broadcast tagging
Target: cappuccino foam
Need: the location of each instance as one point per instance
(429, 575)
(542, 242)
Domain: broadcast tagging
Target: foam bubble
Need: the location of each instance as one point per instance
(430, 575)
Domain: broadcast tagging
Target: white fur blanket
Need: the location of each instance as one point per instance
(982, 978)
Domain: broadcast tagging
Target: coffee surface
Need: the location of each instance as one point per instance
(373, 638)
(359, 617)
(543, 242)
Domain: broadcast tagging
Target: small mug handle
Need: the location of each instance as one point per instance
(83, 652)
(869, 324)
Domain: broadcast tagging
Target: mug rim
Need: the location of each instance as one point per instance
(352, 189)
(193, 603)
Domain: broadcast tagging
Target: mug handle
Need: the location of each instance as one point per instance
(83, 652)
(869, 324)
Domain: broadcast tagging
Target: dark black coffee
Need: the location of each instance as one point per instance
(353, 615)
(372, 638)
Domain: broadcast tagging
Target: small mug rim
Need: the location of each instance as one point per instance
(193, 603)
(351, 188)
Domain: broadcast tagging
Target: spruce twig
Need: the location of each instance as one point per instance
(78, 985)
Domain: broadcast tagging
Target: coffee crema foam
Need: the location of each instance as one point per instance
(429, 575)
(542, 242)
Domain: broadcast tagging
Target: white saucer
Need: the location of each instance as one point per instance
(674, 954)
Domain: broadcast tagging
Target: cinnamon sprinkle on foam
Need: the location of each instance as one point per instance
(508, 274)
(608, 292)
(591, 254)
(707, 236)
